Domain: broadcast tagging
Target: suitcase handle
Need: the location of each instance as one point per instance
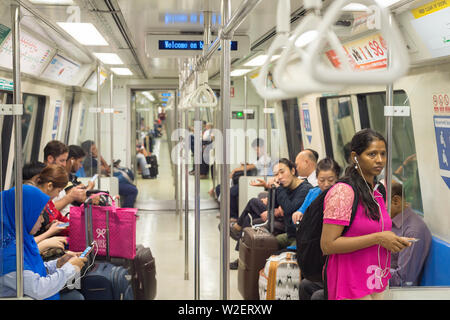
(101, 194)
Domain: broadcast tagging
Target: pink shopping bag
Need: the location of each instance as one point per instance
(120, 229)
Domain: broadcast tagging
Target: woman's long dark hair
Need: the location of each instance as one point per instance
(360, 142)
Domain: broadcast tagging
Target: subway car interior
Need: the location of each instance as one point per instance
(183, 136)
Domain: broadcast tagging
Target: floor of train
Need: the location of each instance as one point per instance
(158, 227)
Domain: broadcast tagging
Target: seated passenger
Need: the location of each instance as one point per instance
(51, 181)
(306, 162)
(290, 195)
(41, 280)
(141, 155)
(407, 265)
(56, 152)
(90, 162)
(327, 172)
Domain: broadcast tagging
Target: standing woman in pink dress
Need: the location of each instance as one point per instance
(359, 257)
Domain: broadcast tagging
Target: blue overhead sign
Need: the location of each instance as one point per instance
(442, 130)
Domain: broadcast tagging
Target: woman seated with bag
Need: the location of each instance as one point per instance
(41, 280)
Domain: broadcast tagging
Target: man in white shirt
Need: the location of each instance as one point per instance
(306, 163)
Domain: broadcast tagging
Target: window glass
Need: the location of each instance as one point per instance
(32, 121)
(341, 126)
(404, 162)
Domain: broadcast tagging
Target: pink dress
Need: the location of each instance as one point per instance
(356, 274)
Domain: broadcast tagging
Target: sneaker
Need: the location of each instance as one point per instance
(234, 265)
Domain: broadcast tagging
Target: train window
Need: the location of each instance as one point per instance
(338, 126)
(292, 126)
(404, 163)
(88, 129)
(32, 122)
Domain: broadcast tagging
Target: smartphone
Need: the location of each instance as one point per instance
(413, 240)
(63, 225)
(94, 178)
(87, 250)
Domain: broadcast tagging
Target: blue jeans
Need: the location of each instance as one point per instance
(128, 192)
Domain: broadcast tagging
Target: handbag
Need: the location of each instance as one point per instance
(112, 228)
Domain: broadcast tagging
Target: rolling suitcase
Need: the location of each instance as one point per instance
(105, 281)
(144, 274)
(256, 245)
(152, 162)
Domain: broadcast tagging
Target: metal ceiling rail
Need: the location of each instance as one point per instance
(224, 33)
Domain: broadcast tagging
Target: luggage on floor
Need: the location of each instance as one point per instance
(280, 278)
(144, 273)
(256, 245)
(142, 270)
(107, 282)
(153, 165)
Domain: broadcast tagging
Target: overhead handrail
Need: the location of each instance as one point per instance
(290, 72)
(281, 38)
(203, 96)
(398, 56)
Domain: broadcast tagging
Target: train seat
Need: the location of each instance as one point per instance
(435, 272)
(246, 191)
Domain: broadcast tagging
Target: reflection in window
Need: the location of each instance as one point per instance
(338, 115)
(404, 160)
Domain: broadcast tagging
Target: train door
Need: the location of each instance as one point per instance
(338, 123)
(293, 128)
(404, 162)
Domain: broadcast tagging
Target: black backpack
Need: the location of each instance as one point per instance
(309, 254)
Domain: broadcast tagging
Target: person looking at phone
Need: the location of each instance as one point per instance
(358, 263)
(41, 280)
(407, 265)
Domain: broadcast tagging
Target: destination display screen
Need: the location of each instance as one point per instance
(187, 45)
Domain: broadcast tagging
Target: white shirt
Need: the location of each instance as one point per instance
(35, 286)
(263, 162)
(312, 179)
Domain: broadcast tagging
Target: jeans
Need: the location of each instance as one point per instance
(309, 290)
(128, 192)
(142, 163)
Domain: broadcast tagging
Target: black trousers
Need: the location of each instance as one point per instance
(309, 290)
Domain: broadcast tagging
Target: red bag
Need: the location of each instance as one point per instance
(114, 229)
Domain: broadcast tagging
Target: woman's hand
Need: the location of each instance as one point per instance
(53, 242)
(55, 228)
(258, 183)
(297, 216)
(78, 262)
(390, 241)
(69, 254)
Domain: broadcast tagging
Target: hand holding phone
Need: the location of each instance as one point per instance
(87, 250)
(412, 240)
(63, 225)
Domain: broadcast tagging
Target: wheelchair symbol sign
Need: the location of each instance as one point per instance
(442, 131)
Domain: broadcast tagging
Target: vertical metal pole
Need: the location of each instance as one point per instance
(389, 121)
(17, 99)
(245, 127)
(266, 143)
(225, 60)
(178, 169)
(99, 127)
(111, 122)
(187, 151)
(198, 161)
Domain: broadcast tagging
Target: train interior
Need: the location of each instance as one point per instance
(117, 72)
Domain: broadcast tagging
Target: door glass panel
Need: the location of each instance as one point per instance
(406, 200)
(32, 121)
(341, 124)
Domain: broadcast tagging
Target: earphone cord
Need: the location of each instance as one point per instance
(92, 263)
(386, 270)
